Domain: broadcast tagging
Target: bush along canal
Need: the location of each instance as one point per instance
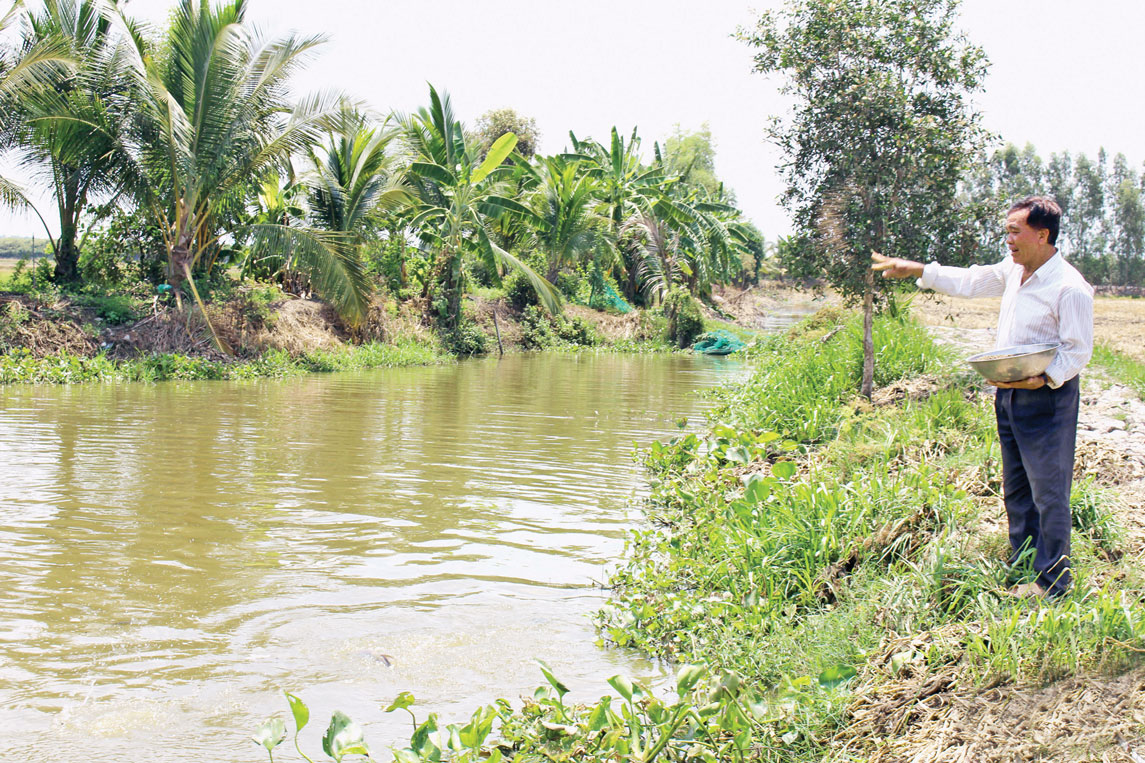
(828, 574)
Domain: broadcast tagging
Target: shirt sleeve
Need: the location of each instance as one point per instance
(974, 281)
(1075, 329)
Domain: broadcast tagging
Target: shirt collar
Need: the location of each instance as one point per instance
(1049, 268)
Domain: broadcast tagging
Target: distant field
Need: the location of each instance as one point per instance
(1118, 322)
(15, 246)
(8, 264)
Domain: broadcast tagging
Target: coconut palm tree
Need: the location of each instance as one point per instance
(74, 130)
(22, 75)
(658, 264)
(355, 178)
(567, 226)
(455, 196)
(217, 120)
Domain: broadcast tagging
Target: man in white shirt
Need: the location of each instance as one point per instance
(1044, 299)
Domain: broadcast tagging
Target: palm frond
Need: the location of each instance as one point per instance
(330, 259)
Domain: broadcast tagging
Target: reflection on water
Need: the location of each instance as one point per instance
(173, 555)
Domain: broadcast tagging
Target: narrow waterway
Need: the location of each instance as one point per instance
(173, 556)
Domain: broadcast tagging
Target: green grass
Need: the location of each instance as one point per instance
(806, 530)
(20, 366)
(1121, 367)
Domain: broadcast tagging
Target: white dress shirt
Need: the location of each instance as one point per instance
(1055, 304)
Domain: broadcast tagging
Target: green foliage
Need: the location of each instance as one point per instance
(466, 339)
(692, 156)
(685, 322)
(881, 128)
(113, 309)
(809, 378)
(520, 292)
(76, 131)
(497, 122)
(456, 196)
(541, 331)
(19, 247)
(575, 330)
(713, 716)
(1103, 208)
(1090, 511)
(27, 278)
(127, 249)
(805, 531)
(212, 103)
(20, 366)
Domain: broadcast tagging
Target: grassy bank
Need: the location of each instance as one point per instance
(1121, 367)
(64, 368)
(811, 535)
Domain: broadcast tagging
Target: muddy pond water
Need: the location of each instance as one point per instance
(173, 556)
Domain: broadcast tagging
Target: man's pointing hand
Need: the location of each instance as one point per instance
(895, 267)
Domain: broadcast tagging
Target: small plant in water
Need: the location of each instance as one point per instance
(343, 737)
(726, 722)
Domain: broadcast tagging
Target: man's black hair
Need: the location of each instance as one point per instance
(1044, 214)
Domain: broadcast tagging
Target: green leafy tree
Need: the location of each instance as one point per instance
(1059, 182)
(880, 132)
(1127, 224)
(692, 156)
(493, 124)
(1087, 217)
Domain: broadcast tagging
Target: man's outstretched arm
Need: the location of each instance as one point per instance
(895, 267)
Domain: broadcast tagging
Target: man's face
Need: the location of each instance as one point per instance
(1026, 244)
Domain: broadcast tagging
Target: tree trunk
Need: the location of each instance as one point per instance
(67, 256)
(868, 341)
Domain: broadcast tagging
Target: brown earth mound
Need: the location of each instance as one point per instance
(1079, 719)
(44, 329)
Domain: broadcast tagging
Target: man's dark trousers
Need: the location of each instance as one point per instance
(1038, 429)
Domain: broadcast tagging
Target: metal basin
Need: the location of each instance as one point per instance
(1009, 364)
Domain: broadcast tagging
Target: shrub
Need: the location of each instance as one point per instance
(520, 292)
(685, 322)
(576, 330)
(467, 339)
(574, 285)
(536, 329)
(111, 308)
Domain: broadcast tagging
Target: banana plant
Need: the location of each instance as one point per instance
(455, 197)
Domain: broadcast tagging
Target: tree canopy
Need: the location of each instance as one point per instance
(880, 134)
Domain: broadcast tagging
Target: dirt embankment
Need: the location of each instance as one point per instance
(246, 326)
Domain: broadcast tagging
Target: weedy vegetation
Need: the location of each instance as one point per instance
(818, 564)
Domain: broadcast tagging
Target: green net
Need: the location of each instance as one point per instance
(718, 342)
(604, 297)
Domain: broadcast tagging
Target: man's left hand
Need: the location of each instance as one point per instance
(1034, 382)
